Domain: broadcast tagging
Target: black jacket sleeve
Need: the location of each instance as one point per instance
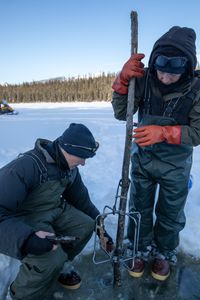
(120, 102)
(77, 195)
(16, 179)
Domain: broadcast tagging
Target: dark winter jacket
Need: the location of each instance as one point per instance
(151, 92)
(17, 181)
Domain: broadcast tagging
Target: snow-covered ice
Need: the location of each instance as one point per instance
(100, 174)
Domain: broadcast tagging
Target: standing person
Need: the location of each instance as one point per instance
(167, 97)
(42, 194)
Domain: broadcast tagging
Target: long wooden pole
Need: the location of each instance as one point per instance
(126, 160)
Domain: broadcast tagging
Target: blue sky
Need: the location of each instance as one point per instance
(43, 39)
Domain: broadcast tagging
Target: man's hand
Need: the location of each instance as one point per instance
(37, 244)
(152, 134)
(44, 234)
(132, 68)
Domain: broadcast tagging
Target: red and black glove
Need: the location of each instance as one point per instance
(152, 134)
(132, 68)
(105, 239)
(109, 242)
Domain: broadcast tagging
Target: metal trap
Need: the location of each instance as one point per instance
(126, 253)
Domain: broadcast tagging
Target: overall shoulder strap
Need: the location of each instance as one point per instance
(147, 94)
(41, 167)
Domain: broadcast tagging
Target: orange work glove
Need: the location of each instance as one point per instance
(152, 134)
(132, 68)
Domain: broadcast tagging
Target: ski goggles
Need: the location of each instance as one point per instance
(93, 150)
(173, 62)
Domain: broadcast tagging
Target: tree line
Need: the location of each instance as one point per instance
(88, 88)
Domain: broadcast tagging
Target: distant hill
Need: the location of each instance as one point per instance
(60, 89)
(62, 78)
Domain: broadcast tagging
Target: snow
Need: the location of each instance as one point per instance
(101, 174)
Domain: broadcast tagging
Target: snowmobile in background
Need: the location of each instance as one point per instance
(5, 108)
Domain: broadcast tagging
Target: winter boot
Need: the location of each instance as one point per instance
(68, 277)
(137, 269)
(70, 280)
(160, 269)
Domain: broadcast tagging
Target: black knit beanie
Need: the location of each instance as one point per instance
(75, 138)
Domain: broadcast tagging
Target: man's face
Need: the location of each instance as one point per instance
(72, 160)
(167, 78)
(75, 161)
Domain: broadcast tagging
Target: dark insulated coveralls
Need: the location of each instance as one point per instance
(163, 169)
(36, 193)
